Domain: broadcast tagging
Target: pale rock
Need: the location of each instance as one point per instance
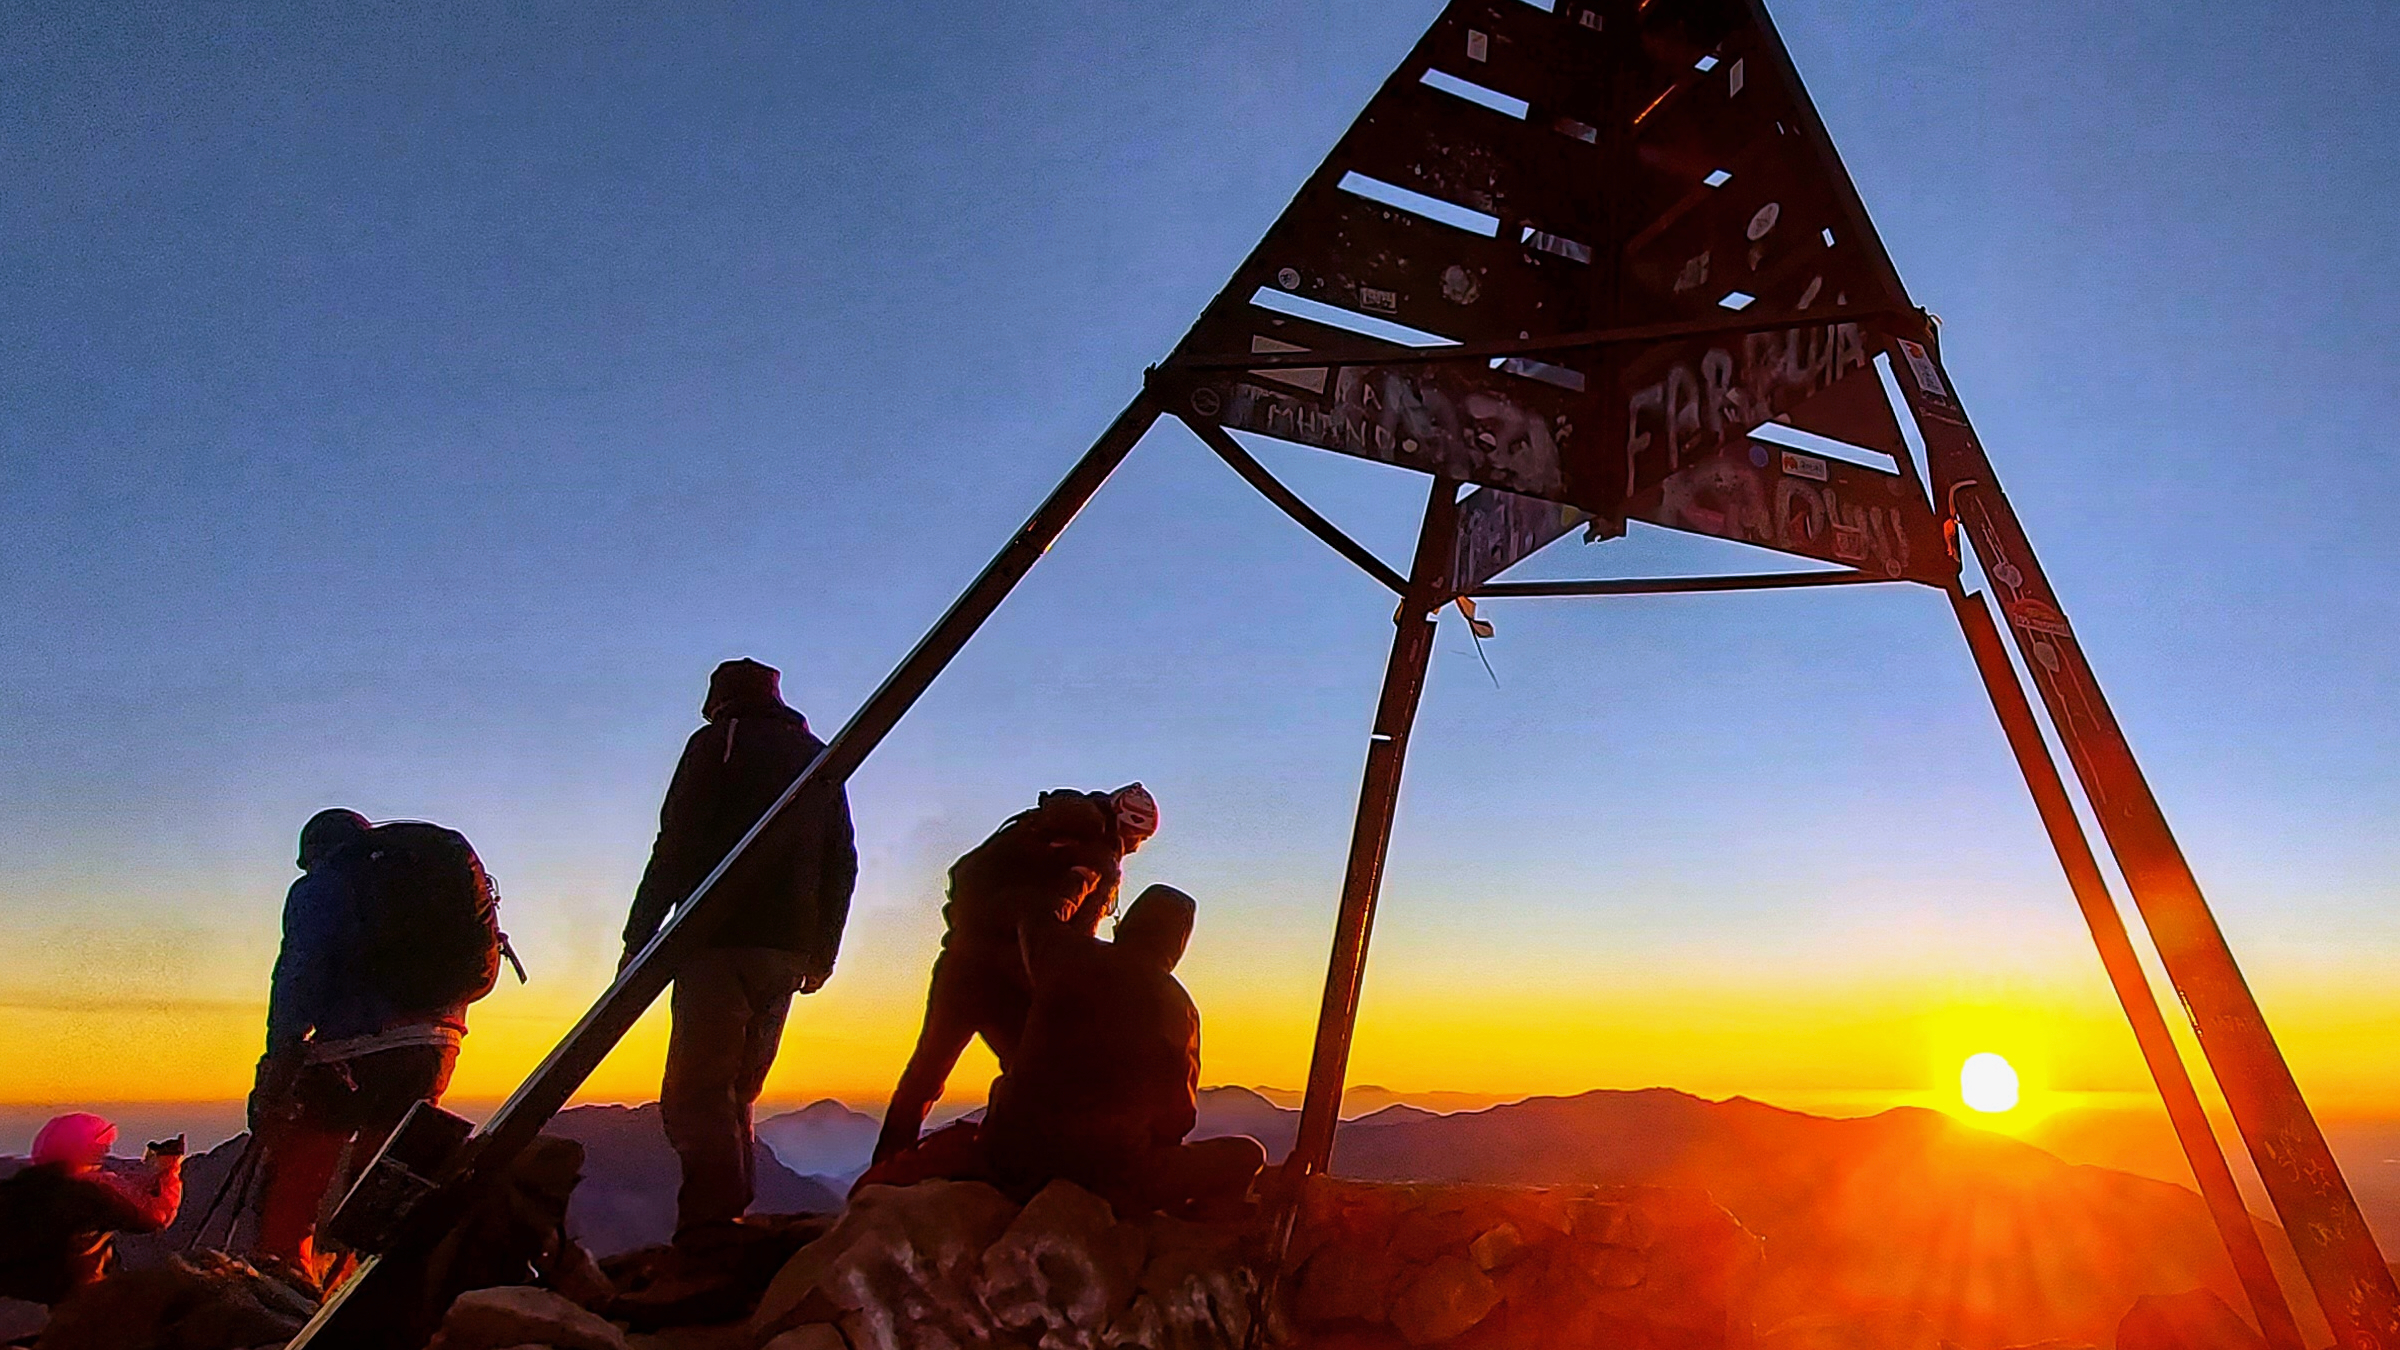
(1442, 1300)
(787, 1296)
(514, 1315)
(896, 1247)
(1063, 1271)
(1195, 1291)
(1496, 1247)
(898, 1272)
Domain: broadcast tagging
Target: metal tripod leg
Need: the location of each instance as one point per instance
(1371, 837)
(521, 1117)
(2124, 967)
(2345, 1268)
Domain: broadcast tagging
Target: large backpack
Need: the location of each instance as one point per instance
(34, 1240)
(432, 921)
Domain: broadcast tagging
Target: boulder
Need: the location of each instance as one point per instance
(1063, 1271)
(1442, 1299)
(515, 1315)
(21, 1321)
(951, 1265)
(1495, 1247)
(2193, 1320)
(206, 1302)
(1350, 1279)
(1195, 1291)
(898, 1269)
(1501, 1267)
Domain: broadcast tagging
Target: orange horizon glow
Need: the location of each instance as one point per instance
(1808, 1048)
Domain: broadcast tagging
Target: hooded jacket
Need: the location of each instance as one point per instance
(1109, 1066)
(791, 891)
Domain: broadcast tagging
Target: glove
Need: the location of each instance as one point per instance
(164, 1157)
(271, 1095)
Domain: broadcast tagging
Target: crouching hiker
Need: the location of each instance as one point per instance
(781, 911)
(1105, 1083)
(1058, 864)
(60, 1213)
(389, 935)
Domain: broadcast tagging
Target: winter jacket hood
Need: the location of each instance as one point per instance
(791, 891)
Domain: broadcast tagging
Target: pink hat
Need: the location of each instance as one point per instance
(78, 1138)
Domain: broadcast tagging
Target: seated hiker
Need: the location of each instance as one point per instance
(388, 935)
(59, 1214)
(1060, 863)
(1105, 1082)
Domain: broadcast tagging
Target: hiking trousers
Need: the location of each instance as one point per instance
(974, 992)
(346, 1109)
(729, 1009)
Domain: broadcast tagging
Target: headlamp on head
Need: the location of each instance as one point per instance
(1136, 811)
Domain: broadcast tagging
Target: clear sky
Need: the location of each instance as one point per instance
(405, 407)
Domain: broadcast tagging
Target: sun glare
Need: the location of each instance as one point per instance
(1987, 1083)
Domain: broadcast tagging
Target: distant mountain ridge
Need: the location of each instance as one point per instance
(630, 1175)
(1908, 1213)
(825, 1140)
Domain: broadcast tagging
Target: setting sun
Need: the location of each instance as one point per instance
(1988, 1083)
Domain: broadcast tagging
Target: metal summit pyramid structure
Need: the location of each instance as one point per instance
(1583, 264)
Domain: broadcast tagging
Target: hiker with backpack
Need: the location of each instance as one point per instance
(59, 1214)
(389, 934)
(779, 912)
(1058, 865)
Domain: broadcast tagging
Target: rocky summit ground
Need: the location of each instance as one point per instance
(1634, 1218)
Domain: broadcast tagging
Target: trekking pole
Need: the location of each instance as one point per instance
(236, 1183)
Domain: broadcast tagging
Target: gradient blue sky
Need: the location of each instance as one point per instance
(405, 408)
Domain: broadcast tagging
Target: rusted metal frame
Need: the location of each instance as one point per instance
(1811, 126)
(1565, 342)
(1371, 836)
(502, 1137)
(1289, 502)
(2345, 1268)
(2124, 967)
(1254, 270)
(1761, 581)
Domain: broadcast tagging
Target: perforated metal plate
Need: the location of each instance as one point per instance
(1629, 221)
